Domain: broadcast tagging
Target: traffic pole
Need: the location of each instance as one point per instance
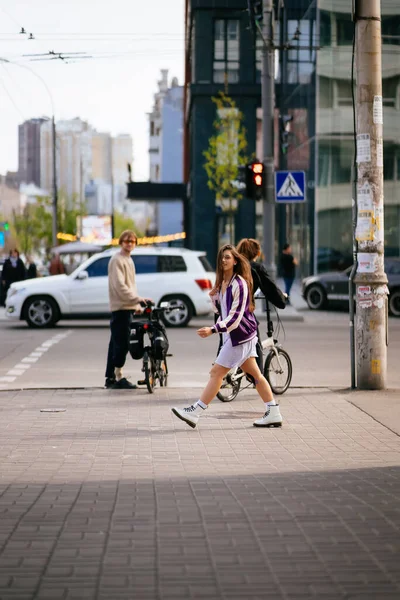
(55, 189)
(268, 105)
(370, 280)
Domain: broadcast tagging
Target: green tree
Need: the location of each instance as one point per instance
(33, 225)
(225, 155)
(121, 223)
(68, 210)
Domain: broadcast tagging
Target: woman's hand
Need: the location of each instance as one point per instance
(204, 332)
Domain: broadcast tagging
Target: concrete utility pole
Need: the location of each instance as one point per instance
(268, 105)
(55, 191)
(370, 279)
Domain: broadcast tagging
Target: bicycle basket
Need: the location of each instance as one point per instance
(136, 340)
(160, 341)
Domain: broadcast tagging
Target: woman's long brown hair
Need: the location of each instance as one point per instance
(249, 247)
(241, 268)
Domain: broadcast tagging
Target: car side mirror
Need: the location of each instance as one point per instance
(82, 275)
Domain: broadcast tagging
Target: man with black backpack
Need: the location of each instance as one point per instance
(123, 300)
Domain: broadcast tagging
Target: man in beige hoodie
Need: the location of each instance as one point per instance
(123, 300)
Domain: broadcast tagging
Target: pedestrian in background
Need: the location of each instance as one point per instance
(31, 269)
(56, 266)
(13, 270)
(71, 265)
(251, 249)
(288, 268)
(233, 300)
(123, 300)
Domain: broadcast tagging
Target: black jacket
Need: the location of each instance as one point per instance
(12, 274)
(262, 281)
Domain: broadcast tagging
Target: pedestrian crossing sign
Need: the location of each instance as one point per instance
(290, 186)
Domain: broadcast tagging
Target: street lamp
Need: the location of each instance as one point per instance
(54, 144)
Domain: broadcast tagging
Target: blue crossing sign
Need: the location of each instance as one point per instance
(290, 186)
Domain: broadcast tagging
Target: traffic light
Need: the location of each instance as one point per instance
(284, 131)
(255, 180)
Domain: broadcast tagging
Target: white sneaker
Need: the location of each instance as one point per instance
(190, 415)
(272, 418)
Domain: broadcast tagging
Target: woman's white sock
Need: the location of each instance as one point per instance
(201, 404)
(270, 403)
(118, 373)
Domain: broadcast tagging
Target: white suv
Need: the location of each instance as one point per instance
(178, 275)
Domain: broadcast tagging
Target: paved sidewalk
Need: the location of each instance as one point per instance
(115, 498)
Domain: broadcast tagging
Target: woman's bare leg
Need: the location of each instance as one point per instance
(272, 416)
(217, 374)
(262, 386)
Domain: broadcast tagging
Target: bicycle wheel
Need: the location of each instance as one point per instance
(278, 373)
(149, 374)
(163, 373)
(229, 388)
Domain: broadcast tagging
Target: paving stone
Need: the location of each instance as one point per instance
(133, 504)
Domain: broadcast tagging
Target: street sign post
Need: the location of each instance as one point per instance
(290, 186)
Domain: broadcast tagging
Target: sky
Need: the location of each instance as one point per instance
(129, 42)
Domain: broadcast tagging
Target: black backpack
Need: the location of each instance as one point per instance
(160, 341)
(136, 340)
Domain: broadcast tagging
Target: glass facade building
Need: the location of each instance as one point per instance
(314, 40)
(335, 131)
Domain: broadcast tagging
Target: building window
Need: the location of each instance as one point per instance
(259, 56)
(345, 30)
(151, 127)
(301, 59)
(226, 51)
(391, 29)
(325, 28)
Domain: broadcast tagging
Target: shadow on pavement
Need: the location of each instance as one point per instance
(317, 534)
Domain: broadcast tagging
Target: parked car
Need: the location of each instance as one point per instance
(329, 259)
(319, 291)
(177, 275)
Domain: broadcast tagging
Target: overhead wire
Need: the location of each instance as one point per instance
(19, 111)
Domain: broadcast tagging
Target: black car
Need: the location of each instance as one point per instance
(329, 259)
(321, 291)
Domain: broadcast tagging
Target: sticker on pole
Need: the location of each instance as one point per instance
(367, 262)
(363, 148)
(290, 186)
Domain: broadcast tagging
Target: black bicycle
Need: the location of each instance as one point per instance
(277, 367)
(149, 342)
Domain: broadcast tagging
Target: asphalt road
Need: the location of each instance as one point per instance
(73, 354)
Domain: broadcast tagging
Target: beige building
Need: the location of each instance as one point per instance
(73, 157)
(10, 198)
(111, 155)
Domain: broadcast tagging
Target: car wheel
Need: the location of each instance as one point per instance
(41, 312)
(394, 303)
(178, 318)
(315, 297)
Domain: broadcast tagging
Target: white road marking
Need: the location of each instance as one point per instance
(33, 357)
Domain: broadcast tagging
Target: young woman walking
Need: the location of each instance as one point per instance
(233, 300)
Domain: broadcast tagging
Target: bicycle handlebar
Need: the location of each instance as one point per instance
(150, 309)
